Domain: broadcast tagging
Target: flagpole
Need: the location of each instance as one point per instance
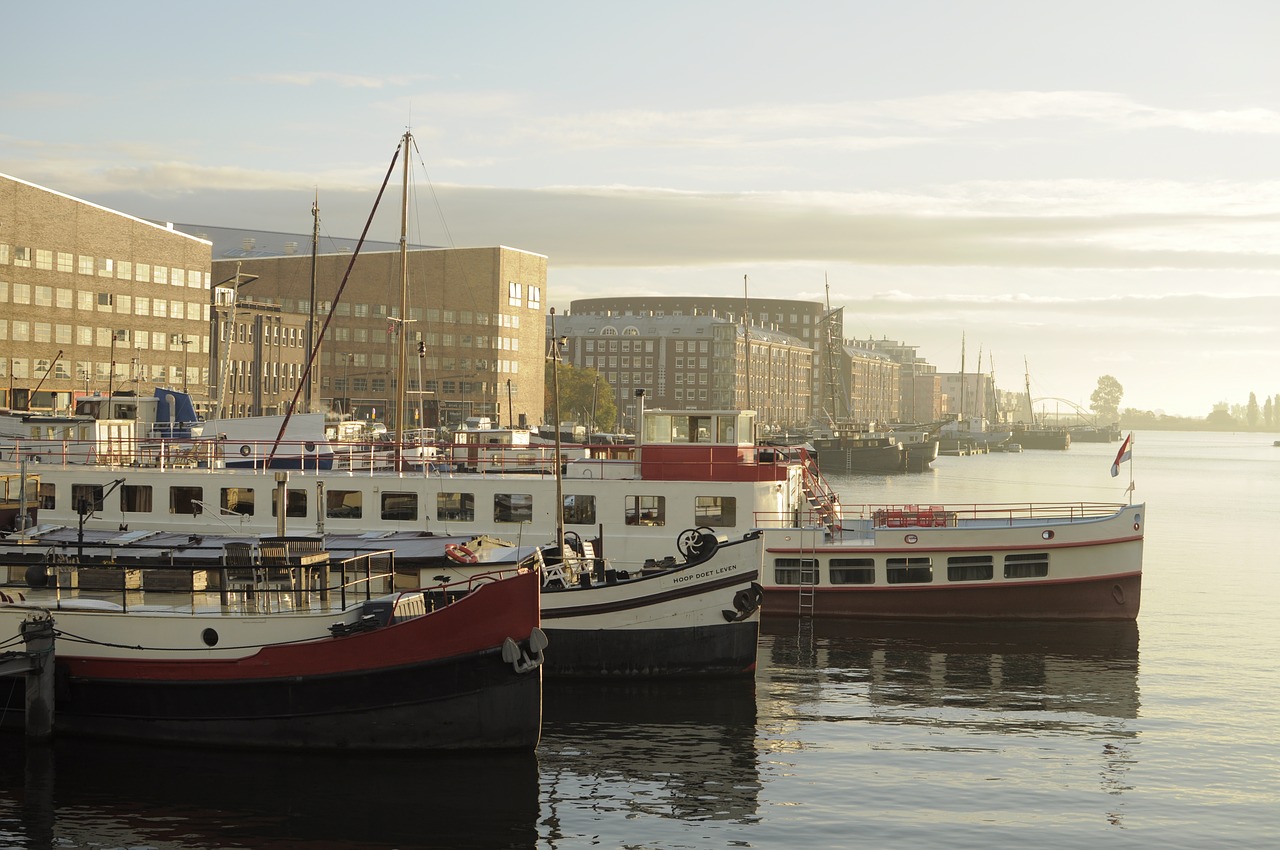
(1130, 491)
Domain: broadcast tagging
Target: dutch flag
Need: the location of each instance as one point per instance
(1125, 453)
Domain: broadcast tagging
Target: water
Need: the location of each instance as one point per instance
(1161, 733)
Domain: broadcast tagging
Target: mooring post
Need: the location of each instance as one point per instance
(38, 635)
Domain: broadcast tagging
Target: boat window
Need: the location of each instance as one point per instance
(908, 570)
(513, 507)
(86, 498)
(135, 498)
(459, 507)
(1028, 565)
(795, 571)
(715, 511)
(237, 500)
(48, 496)
(970, 568)
(400, 506)
(186, 500)
(344, 504)
(853, 571)
(295, 503)
(646, 510)
(579, 510)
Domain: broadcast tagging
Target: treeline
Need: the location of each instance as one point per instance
(1251, 416)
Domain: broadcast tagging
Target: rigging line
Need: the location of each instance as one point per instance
(311, 355)
(435, 199)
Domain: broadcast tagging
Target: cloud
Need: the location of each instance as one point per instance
(308, 79)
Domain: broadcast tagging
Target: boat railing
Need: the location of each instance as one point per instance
(862, 519)
(155, 453)
(950, 516)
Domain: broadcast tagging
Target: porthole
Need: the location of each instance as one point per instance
(245, 450)
(911, 538)
(1047, 534)
(210, 637)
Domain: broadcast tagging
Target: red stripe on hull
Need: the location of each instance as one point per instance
(477, 622)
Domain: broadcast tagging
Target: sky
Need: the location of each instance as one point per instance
(1064, 191)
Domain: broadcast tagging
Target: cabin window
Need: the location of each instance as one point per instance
(459, 507)
(48, 496)
(970, 568)
(715, 511)
(400, 506)
(295, 503)
(853, 571)
(579, 510)
(795, 571)
(1030, 565)
(513, 507)
(909, 571)
(344, 504)
(135, 498)
(86, 498)
(237, 500)
(186, 500)
(646, 510)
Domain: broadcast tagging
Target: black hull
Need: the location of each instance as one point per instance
(845, 460)
(721, 650)
(470, 702)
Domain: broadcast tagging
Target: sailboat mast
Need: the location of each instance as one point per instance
(311, 311)
(961, 376)
(402, 372)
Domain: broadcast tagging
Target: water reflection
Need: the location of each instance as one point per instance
(83, 793)
(1060, 668)
(680, 750)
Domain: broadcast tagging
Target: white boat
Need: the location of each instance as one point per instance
(1031, 561)
(154, 651)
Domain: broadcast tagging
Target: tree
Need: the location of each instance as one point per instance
(582, 393)
(1251, 412)
(1105, 401)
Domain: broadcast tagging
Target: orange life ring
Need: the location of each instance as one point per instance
(459, 553)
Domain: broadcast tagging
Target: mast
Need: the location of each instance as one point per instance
(1031, 410)
(404, 304)
(746, 340)
(962, 377)
(831, 359)
(555, 421)
(311, 312)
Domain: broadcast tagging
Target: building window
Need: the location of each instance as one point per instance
(535, 297)
(514, 298)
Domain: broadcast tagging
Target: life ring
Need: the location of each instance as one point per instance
(460, 554)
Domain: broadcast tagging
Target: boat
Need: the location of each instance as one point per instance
(923, 447)
(695, 615)
(972, 434)
(857, 447)
(151, 645)
(1077, 560)
(163, 430)
(1032, 436)
(1095, 433)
